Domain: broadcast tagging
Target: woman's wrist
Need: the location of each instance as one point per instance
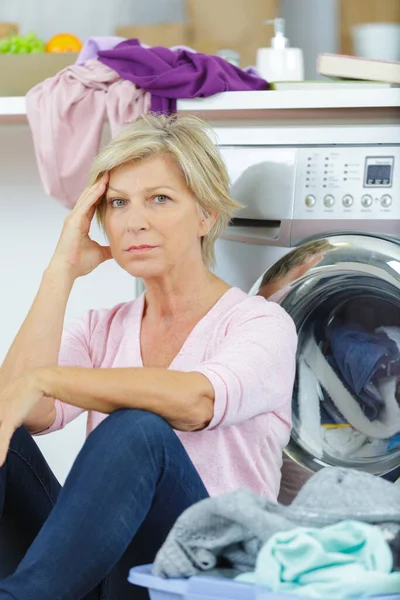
(59, 274)
(41, 379)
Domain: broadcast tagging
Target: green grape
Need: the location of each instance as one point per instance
(22, 44)
(37, 47)
(14, 48)
(4, 46)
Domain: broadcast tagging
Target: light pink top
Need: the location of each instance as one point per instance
(246, 347)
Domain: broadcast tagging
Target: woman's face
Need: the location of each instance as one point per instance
(152, 219)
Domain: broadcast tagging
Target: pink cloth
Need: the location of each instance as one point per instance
(246, 347)
(66, 114)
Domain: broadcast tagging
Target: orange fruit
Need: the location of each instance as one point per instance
(64, 42)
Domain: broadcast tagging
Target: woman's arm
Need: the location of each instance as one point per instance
(185, 400)
(38, 341)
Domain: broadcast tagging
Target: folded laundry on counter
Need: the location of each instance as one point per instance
(170, 75)
(339, 561)
(360, 357)
(229, 530)
(93, 45)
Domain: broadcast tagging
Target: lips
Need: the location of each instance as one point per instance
(142, 247)
(139, 250)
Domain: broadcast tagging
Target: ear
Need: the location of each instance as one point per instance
(207, 222)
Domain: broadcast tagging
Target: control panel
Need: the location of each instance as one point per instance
(349, 182)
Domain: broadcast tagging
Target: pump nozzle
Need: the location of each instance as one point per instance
(279, 40)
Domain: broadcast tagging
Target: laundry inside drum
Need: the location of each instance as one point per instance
(346, 403)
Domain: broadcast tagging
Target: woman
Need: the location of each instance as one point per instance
(192, 355)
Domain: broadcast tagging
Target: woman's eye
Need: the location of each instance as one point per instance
(160, 199)
(117, 202)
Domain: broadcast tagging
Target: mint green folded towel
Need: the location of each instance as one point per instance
(345, 560)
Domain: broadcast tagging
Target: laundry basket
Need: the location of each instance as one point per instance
(207, 588)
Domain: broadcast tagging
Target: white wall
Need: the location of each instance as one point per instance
(312, 25)
(90, 17)
(30, 224)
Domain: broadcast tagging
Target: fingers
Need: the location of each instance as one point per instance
(6, 432)
(91, 195)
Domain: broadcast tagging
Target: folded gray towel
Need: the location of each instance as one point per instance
(229, 530)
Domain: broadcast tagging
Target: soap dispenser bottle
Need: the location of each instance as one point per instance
(280, 62)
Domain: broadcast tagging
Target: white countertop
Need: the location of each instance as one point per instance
(293, 100)
(242, 102)
(12, 106)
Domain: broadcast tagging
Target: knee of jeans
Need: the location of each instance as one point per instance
(20, 436)
(132, 427)
(127, 418)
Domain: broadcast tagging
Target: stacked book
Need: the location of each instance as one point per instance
(348, 72)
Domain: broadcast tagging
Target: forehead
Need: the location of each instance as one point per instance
(149, 172)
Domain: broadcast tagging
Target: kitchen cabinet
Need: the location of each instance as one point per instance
(354, 12)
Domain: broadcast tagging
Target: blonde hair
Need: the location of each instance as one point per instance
(189, 141)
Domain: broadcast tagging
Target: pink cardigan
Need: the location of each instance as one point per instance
(246, 347)
(66, 114)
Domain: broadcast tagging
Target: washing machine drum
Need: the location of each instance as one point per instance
(343, 293)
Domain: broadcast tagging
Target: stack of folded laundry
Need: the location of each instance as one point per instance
(339, 538)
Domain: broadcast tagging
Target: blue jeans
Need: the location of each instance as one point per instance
(128, 485)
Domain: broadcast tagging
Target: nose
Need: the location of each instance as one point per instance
(136, 219)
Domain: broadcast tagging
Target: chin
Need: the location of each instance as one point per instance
(142, 270)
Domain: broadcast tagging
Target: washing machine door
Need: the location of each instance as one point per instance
(343, 293)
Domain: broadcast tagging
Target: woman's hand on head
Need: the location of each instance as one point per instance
(76, 251)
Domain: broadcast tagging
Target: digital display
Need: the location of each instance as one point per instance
(378, 175)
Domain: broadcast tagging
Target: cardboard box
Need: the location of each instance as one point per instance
(231, 24)
(163, 34)
(20, 72)
(7, 29)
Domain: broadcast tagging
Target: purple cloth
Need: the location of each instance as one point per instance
(169, 75)
(94, 45)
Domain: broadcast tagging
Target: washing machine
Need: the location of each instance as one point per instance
(319, 232)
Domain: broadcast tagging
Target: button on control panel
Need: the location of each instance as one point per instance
(366, 201)
(386, 201)
(329, 201)
(347, 201)
(310, 201)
